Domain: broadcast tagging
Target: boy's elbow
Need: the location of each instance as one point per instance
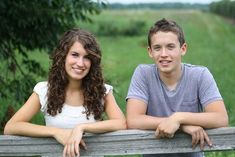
(225, 121)
(130, 124)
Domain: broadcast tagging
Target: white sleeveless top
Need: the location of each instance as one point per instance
(70, 115)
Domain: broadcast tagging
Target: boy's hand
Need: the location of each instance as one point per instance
(167, 128)
(199, 136)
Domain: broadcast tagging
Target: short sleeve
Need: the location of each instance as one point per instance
(108, 88)
(208, 90)
(41, 89)
(138, 88)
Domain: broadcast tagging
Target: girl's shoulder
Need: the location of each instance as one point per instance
(41, 89)
(108, 88)
(40, 86)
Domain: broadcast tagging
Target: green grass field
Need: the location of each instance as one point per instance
(210, 41)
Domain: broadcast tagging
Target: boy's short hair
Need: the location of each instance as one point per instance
(165, 25)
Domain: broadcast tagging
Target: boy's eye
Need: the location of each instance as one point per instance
(156, 48)
(171, 47)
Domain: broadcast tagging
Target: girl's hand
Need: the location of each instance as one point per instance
(71, 148)
(199, 136)
(62, 135)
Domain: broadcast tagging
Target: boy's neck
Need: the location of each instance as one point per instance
(171, 79)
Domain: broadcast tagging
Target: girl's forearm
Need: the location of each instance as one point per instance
(103, 126)
(29, 129)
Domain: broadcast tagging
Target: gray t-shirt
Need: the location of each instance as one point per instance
(196, 89)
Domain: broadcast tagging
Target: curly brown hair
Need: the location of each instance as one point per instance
(92, 84)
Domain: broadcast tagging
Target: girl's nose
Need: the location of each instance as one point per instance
(80, 61)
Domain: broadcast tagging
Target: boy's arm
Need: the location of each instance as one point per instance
(167, 126)
(214, 116)
(137, 118)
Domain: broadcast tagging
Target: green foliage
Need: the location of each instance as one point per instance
(29, 25)
(225, 8)
(220, 154)
(164, 5)
(110, 28)
(136, 28)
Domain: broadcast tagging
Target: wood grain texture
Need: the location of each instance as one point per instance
(124, 142)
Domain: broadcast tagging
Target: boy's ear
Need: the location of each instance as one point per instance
(183, 49)
(150, 52)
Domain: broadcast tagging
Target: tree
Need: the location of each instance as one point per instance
(225, 8)
(27, 25)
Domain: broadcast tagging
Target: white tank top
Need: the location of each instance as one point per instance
(70, 115)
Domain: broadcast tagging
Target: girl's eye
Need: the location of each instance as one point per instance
(75, 54)
(87, 57)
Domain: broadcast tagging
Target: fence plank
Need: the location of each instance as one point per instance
(124, 142)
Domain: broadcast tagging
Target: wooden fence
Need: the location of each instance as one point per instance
(125, 142)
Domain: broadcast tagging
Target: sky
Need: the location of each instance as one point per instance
(160, 1)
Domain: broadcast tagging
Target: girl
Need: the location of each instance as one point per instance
(74, 97)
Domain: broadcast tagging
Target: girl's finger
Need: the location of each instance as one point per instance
(83, 144)
(65, 150)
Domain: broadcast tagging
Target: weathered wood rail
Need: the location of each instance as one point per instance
(123, 142)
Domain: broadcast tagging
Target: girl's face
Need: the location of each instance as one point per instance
(77, 63)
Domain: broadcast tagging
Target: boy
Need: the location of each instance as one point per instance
(170, 95)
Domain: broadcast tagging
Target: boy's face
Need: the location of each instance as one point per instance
(166, 52)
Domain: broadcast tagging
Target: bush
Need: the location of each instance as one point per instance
(135, 28)
(108, 29)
